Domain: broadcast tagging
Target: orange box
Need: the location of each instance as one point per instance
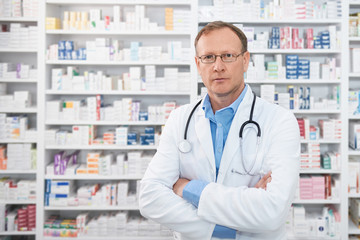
(3, 164)
(93, 165)
(93, 171)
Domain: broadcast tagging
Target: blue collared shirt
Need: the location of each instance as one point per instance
(220, 124)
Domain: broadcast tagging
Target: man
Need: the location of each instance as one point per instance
(216, 187)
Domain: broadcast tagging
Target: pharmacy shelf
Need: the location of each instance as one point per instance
(122, 2)
(354, 3)
(292, 237)
(101, 147)
(17, 202)
(129, 33)
(18, 172)
(20, 110)
(110, 238)
(17, 233)
(279, 21)
(317, 111)
(116, 63)
(354, 195)
(110, 123)
(323, 141)
(93, 208)
(319, 171)
(94, 177)
(354, 39)
(18, 80)
(355, 75)
(295, 51)
(353, 152)
(292, 81)
(352, 228)
(316, 201)
(113, 92)
(18, 50)
(354, 117)
(17, 141)
(17, 19)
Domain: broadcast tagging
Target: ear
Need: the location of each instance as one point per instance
(246, 57)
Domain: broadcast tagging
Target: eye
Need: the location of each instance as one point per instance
(208, 57)
(228, 55)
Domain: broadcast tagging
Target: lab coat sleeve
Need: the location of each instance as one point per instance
(158, 201)
(258, 210)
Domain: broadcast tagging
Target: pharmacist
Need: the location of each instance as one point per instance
(226, 167)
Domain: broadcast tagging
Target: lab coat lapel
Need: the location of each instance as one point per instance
(202, 129)
(232, 143)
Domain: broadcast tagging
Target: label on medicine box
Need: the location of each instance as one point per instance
(143, 116)
(292, 57)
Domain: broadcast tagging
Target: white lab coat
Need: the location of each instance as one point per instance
(232, 201)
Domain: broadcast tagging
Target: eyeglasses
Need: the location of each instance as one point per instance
(225, 57)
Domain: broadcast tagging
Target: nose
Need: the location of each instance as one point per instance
(219, 65)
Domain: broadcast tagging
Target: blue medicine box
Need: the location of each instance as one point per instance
(143, 116)
(131, 139)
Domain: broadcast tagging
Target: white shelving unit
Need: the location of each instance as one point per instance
(318, 87)
(155, 10)
(353, 83)
(29, 56)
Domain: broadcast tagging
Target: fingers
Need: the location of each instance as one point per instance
(264, 181)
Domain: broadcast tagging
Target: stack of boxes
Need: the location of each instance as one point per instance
(149, 137)
(92, 162)
(17, 190)
(169, 19)
(58, 192)
(171, 76)
(306, 187)
(52, 23)
(181, 20)
(303, 69)
(54, 227)
(285, 38)
(354, 25)
(30, 8)
(297, 42)
(292, 62)
(330, 128)
(354, 135)
(355, 60)
(22, 219)
(312, 187)
(300, 225)
(26, 218)
(3, 159)
(274, 41)
(311, 159)
(20, 156)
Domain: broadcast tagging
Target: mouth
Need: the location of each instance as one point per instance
(219, 79)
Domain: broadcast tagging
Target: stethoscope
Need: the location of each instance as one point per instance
(185, 145)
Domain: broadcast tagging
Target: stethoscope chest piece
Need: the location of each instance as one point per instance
(184, 146)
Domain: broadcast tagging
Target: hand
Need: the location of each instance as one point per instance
(179, 186)
(262, 183)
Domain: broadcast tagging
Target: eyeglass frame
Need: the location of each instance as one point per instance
(221, 57)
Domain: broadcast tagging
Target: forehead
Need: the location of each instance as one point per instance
(219, 41)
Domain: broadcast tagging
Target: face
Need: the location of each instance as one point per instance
(222, 79)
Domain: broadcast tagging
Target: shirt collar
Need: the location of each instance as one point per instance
(209, 113)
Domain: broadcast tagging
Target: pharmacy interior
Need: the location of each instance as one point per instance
(86, 88)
